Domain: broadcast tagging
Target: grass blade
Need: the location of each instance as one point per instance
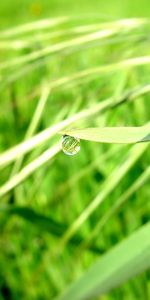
(42, 24)
(123, 135)
(127, 259)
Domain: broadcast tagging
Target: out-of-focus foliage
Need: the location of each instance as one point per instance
(70, 64)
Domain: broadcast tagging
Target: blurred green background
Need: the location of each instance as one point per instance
(35, 215)
(26, 10)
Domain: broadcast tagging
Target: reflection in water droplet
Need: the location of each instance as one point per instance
(70, 145)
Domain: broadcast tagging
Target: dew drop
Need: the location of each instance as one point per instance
(70, 145)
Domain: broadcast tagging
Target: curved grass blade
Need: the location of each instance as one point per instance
(124, 261)
(121, 135)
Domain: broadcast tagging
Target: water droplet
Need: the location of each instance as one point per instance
(70, 145)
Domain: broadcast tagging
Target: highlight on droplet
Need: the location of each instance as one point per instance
(70, 145)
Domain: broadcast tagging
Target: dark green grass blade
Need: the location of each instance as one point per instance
(46, 224)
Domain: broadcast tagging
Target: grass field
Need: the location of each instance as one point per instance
(69, 65)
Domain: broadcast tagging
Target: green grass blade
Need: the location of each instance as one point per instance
(127, 259)
(123, 135)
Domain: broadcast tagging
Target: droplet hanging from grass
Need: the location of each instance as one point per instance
(70, 145)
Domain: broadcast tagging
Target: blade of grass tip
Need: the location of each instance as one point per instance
(34, 122)
(122, 135)
(141, 180)
(29, 169)
(10, 155)
(109, 185)
(42, 24)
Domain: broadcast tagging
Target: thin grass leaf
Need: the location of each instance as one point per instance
(34, 123)
(27, 41)
(58, 47)
(42, 24)
(124, 261)
(121, 135)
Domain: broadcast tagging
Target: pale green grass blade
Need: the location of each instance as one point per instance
(59, 47)
(44, 36)
(88, 38)
(42, 24)
(52, 22)
(122, 135)
(127, 259)
(29, 169)
(82, 75)
(38, 36)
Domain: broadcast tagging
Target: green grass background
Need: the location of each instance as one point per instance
(32, 264)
